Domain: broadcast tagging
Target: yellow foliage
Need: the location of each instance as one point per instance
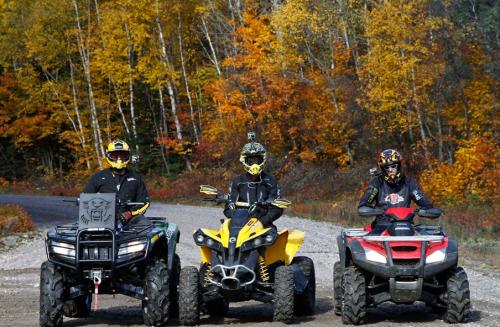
(474, 173)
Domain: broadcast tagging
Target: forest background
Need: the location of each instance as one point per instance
(326, 85)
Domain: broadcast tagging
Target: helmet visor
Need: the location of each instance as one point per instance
(390, 167)
(252, 160)
(115, 155)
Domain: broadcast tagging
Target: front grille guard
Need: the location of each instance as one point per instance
(229, 276)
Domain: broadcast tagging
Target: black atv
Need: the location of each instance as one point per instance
(97, 255)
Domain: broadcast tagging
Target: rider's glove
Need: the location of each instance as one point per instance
(125, 217)
(231, 206)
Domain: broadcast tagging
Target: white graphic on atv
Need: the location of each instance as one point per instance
(394, 198)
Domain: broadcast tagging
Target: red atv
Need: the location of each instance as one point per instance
(403, 264)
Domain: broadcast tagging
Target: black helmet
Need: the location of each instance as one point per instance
(253, 156)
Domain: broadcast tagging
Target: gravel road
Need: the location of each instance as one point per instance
(19, 276)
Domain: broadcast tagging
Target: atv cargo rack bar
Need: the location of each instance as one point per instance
(426, 238)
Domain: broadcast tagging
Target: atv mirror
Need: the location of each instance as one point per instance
(135, 159)
(369, 211)
(374, 172)
(210, 190)
(281, 203)
(430, 213)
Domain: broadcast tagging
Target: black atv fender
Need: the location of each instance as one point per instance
(173, 237)
(342, 250)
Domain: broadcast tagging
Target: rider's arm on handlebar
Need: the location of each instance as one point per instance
(273, 212)
(233, 197)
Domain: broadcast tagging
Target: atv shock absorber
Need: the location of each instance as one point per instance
(263, 270)
(208, 273)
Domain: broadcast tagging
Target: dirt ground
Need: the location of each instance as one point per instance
(19, 282)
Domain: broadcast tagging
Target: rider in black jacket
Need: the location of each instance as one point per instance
(392, 189)
(255, 185)
(127, 184)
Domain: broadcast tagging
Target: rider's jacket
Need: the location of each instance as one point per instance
(382, 194)
(128, 187)
(244, 189)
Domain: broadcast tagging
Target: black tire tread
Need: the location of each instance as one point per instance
(458, 305)
(284, 294)
(337, 288)
(155, 308)
(51, 295)
(354, 301)
(189, 296)
(77, 308)
(305, 303)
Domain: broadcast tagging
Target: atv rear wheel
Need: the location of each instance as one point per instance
(354, 301)
(51, 295)
(284, 294)
(189, 296)
(78, 307)
(457, 296)
(305, 303)
(156, 306)
(337, 288)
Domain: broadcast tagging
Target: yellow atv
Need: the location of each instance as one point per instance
(243, 260)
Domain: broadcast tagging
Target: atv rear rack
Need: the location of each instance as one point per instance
(426, 238)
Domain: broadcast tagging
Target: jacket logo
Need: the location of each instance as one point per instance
(394, 198)
(131, 179)
(417, 195)
(232, 239)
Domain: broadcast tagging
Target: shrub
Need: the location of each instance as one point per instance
(13, 219)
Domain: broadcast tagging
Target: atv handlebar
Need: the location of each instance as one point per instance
(366, 211)
(219, 197)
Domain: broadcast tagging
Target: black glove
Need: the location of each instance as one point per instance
(125, 217)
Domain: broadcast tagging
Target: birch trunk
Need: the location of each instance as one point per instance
(420, 118)
(98, 144)
(170, 88)
(195, 129)
(131, 87)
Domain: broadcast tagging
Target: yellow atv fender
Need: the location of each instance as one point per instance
(284, 248)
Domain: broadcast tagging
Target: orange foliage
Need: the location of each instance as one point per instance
(14, 219)
(474, 173)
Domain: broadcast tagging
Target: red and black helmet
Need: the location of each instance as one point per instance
(390, 158)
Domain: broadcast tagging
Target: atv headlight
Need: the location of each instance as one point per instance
(132, 247)
(263, 240)
(374, 256)
(63, 248)
(436, 256)
(204, 240)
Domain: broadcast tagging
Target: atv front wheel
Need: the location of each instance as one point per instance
(78, 307)
(337, 288)
(284, 285)
(51, 295)
(189, 296)
(305, 303)
(156, 306)
(354, 302)
(174, 282)
(457, 296)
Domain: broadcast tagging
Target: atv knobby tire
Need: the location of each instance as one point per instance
(51, 295)
(284, 286)
(189, 296)
(354, 301)
(457, 296)
(337, 288)
(156, 306)
(174, 282)
(78, 307)
(305, 303)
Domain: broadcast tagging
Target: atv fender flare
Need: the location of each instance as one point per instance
(173, 237)
(342, 250)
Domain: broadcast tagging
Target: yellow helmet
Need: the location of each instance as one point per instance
(118, 154)
(253, 157)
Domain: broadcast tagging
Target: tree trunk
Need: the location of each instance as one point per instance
(131, 88)
(84, 54)
(195, 130)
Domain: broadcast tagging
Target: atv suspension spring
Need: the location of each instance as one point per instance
(263, 270)
(208, 273)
